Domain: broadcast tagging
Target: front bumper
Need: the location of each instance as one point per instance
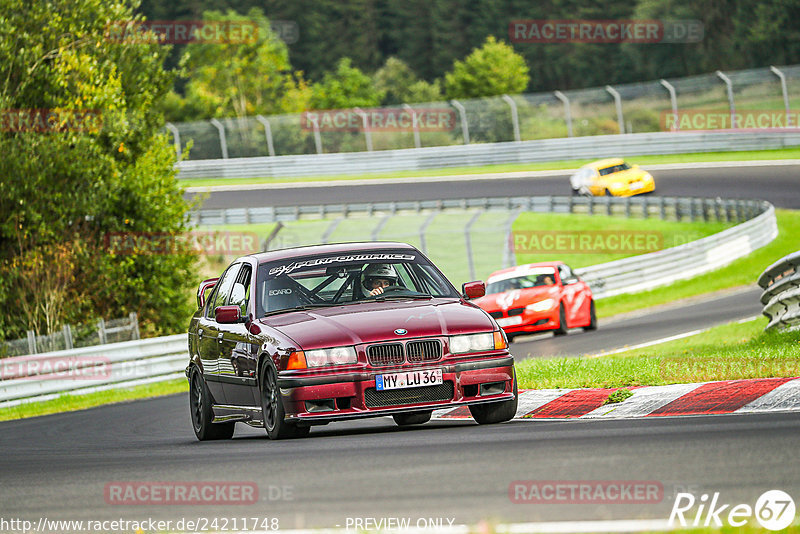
(530, 322)
(337, 397)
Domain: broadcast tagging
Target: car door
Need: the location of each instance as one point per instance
(239, 348)
(574, 298)
(209, 334)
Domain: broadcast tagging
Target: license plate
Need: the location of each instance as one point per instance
(636, 185)
(509, 321)
(411, 379)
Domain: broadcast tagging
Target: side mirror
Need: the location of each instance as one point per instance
(205, 285)
(473, 290)
(227, 314)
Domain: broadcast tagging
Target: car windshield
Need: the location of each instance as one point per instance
(346, 278)
(614, 168)
(540, 277)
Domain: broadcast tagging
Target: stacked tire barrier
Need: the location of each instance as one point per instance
(781, 298)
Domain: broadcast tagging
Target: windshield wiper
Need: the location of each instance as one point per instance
(298, 308)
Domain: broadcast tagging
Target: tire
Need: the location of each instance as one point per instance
(592, 318)
(417, 418)
(272, 411)
(201, 412)
(496, 412)
(510, 337)
(576, 192)
(608, 193)
(562, 322)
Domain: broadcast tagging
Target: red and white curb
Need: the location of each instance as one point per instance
(706, 398)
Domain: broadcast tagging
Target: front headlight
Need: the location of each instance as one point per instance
(477, 342)
(332, 356)
(542, 305)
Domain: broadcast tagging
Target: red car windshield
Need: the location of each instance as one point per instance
(521, 282)
(345, 278)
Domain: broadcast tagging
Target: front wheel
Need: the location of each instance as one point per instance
(272, 410)
(202, 413)
(417, 418)
(592, 318)
(496, 412)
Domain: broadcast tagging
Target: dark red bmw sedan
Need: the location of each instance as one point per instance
(305, 336)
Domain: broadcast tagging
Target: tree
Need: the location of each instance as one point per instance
(346, 87)
(84, 158)
(400, 85)
(243, 78)
(494, 69)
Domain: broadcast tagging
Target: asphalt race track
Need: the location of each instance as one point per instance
(59, 466)
(779, 184)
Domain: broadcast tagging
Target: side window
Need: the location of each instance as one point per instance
(240, 294)
(223, 289)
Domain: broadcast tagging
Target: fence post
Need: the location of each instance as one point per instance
(176, 137)
(267, 133)
(663, 209)
(782, 77)
(365, 124)
(272, 235)
(468, 241)
(729, 85)
(67, 330)
(673, 99)
(567, 112)
(317, 136)
(414, 124)
(378, 227)
(134, 325)
(509, 252)
(101, 331)
(423, 246)
(223, 141)
(514, 116)
(464, 125)
(331, 228)
(31, 342)
(618, 103)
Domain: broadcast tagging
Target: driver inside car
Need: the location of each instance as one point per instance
(377, 277)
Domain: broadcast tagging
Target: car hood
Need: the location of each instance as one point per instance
(515, 298)
(630, 175)
(377, 321)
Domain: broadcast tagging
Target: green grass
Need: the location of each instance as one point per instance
(744, 271)
(784, 153)
(727, 352)
(69, 403)
(666, 233)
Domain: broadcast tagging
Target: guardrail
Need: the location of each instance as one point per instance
(781, 296)
(35, 378)
(569, 148)
(667, 208)
(90, 369)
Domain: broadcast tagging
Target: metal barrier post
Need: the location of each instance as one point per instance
(673, 99)
(422, 229)
(223, 141)
(468, 241)
(785, 92)
(729, 84)
(267, 133)
(464, 125)
(567, 113)
(367, 131)
(176, 137)
(514, 116)
(618, 103)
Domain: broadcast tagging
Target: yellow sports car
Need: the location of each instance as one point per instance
(611, 177)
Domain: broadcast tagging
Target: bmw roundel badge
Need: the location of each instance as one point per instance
(401, 331)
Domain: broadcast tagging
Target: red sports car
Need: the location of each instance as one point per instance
(299, 337)
(539, 296)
